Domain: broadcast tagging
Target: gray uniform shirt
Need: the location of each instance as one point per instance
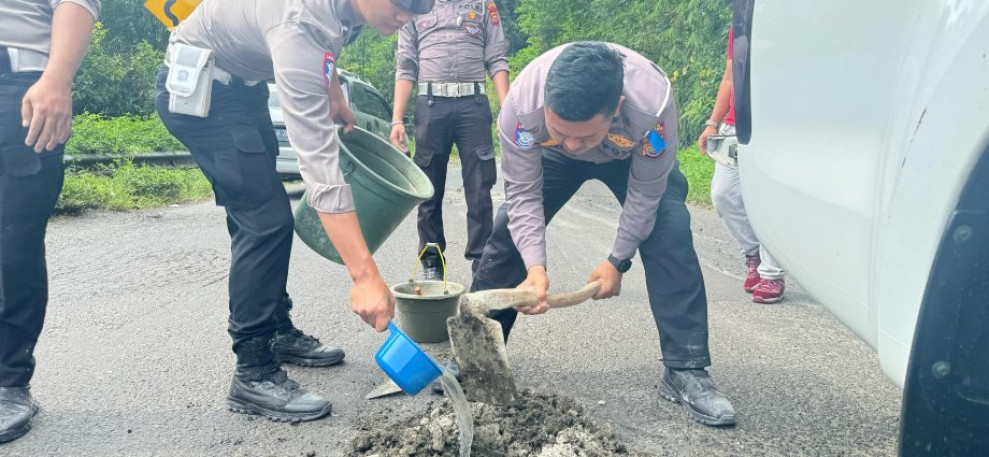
(456, 42)
(645, 130)
(27, 24)
(296, 42)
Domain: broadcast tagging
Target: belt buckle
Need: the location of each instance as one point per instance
(455, 92)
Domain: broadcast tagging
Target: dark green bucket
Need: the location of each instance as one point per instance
(423, 316)
(386, 185)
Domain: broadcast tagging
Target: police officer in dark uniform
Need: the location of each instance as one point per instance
(213, 98)
(596, 110)
(42, 43)
(448, 52)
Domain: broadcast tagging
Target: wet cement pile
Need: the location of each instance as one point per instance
(536, 426)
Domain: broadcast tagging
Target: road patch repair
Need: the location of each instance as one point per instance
(535, 425)
(506, 421)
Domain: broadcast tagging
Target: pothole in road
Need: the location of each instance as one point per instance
(538, 425)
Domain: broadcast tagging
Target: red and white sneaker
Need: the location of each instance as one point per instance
(769, 291)
(752, 278)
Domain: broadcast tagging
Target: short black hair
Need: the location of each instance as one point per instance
(585, 80)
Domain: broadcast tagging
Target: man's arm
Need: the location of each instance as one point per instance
(406, 73)
(47, 105)
(501, 85)
(720, 108)
(303, 91)
(339, 109)
(496, 52)
(522, 169)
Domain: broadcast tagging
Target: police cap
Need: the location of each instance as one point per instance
(415, 6)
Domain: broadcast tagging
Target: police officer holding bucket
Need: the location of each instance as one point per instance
(212, 97)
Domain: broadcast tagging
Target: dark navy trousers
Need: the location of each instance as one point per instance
(29, 187)
(235, 147)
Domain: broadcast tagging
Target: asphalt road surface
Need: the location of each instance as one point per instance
(135, 359)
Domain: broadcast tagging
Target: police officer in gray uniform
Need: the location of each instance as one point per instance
(219, 58)
(595, 110)
(448, 52)
(42, 43)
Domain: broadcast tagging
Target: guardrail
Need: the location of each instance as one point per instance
(158, 159)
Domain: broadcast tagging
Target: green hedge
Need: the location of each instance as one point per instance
(130, 187)
(124, 136)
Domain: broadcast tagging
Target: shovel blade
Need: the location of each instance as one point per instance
(383, 390)
(479, 346)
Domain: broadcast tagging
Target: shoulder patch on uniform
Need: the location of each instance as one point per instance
(620, 140)
(329, 61)
(523, 137)
(656, 145)
(493, 12)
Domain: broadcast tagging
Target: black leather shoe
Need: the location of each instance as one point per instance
(16, 410)
(294, 346)
(454, 368)
(276, 397)
(695, 390)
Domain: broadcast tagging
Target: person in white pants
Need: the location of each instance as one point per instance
(765, 278)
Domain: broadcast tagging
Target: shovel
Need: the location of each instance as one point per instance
(386, 388)
(478, 342)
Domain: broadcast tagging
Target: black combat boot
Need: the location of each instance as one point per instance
(432, 269)
(261, 387)
(291, 345)
(695, 390)
(16, 410)
(453, 368)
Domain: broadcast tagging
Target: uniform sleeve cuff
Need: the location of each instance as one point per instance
(91, 5)
(405, 76)
(624, 248)
(331, 199)
(497, 67)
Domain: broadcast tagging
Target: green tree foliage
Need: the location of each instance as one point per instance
(684, 37)
(129, 23)
(116, 82)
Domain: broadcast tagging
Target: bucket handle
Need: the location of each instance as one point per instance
(412, 279)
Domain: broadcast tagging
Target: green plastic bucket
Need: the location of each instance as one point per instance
(386, 185)
(423, 316)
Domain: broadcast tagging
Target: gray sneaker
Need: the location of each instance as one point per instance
(17, 408)
(695, 390)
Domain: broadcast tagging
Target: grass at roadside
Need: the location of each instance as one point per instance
(698, 169)
(128, 187)
(123, 135)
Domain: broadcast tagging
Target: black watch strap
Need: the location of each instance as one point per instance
(621, 265)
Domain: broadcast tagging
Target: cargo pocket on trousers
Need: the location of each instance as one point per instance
(486, 165)
(422, 155)
(245, 172)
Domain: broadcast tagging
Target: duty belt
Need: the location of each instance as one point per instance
(219, 75)
(16, 60)
(451, 89)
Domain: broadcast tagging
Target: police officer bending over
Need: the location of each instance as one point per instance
(594, 110)
(42, 43)
(213, 99)
(448, 52)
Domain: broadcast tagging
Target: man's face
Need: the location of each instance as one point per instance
(581, 136)
(383, 15)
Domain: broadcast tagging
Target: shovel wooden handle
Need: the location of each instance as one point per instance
(511, 298)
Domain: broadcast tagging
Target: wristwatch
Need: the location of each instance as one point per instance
(711, 123)
(621, 265)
